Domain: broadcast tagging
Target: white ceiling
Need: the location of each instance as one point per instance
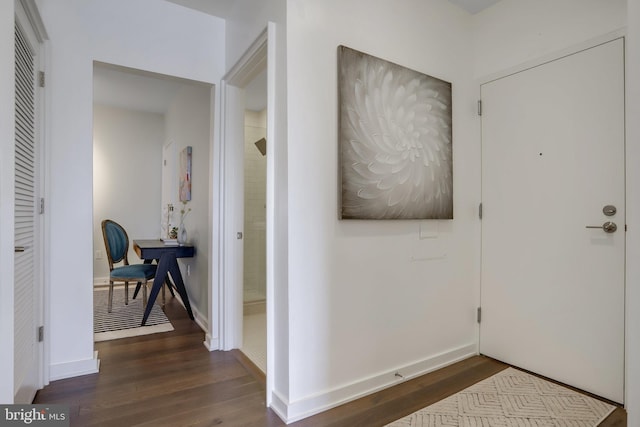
(120, 88)
(135, 89)
(143, 91)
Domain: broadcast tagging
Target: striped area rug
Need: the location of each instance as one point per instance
(124, 320)
(511, 398)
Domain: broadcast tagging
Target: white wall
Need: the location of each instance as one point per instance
(513, 32)
(247, 19)
(7, 138)
(127, 170)
(365, 300)
(188, 124)
(143, 34)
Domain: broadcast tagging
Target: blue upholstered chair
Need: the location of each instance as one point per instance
(116, 242)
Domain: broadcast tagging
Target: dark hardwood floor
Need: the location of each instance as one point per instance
(170, 379)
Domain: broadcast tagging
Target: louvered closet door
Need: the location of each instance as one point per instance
(27, 363)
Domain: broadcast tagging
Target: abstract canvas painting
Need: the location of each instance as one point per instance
(395, 140)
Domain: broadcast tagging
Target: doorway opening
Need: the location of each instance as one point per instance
(253, 73)
(140, 117)
(254, 334)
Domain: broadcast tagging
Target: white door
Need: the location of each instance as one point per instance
(27, 279)
(552, 158)
(170, 208)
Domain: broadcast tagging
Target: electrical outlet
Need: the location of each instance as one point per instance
(99, 254)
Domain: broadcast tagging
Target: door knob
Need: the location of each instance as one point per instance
(608, 227)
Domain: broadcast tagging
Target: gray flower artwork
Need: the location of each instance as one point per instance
(395, 140)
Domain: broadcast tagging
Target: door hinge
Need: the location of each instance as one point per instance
(40, 333)
(41, 78)
(479, 107)
(41, 205)
(479, 314)
(480, 210)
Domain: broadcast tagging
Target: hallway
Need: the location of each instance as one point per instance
(170, 379)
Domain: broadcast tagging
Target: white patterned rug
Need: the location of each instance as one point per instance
(511, 398)
(124, 320)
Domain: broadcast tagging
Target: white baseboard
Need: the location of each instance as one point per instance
(200, 319)
(211, 344)
(76, 368)
(280, 406)
(100, 281)
(305, 407)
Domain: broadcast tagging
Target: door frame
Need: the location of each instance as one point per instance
(550, 57)
(229, 198)
(232, 88)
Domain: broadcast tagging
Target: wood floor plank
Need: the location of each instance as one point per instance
(170, 379)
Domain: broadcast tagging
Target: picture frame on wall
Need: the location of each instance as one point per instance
(395, 140)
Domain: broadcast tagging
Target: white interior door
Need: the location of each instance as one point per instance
(552, 158)
(27, 279)
(169, 188)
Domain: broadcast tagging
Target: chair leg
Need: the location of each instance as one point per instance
(110, 296)
(164, 285)
(126, 293)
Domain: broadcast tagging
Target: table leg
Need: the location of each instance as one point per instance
(170, 286)
(176, 276)
(161, 274)
(168, 264)
(135, 293)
